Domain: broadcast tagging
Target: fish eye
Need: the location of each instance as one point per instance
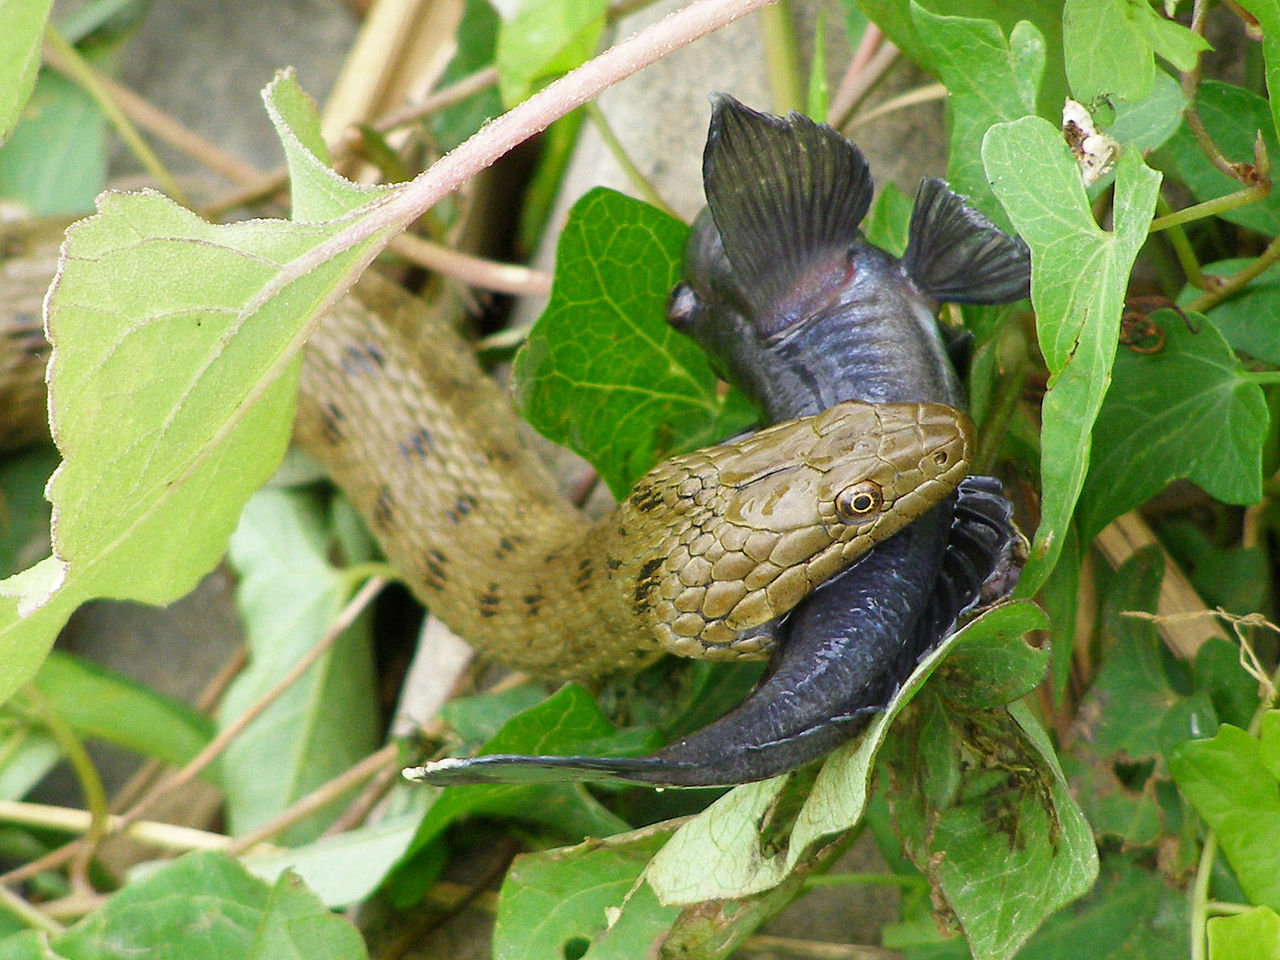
(858, 499)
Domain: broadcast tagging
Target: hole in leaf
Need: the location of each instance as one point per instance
(575, 948)
(1134, 775)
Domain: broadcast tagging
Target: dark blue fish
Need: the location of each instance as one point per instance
(800, 312)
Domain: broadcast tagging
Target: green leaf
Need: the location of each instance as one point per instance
(174, 369)
(546, 38)
(205, 906)
(1233, 117)
(1078, 279)
(102, 705)
(896, 19)
(1131, 714)
(1060, 596)
(887, 222)
(1218, 671)
(1233, 781)
(1107, 52)
(55, 161)
(288, 597)
(1109, 45)
(1009, 846)
(995, 665)
(1237, 317)
(348, 867)
(1186, 410)
(1254, 935)
(1169, 40)
(552, 900)
(1236, 578)
(1146, 124)
(602, 372)
(721, 853)
(19, 55)
(1131, 693)
(1267, 13)
(989, 80)
(1131, 914)
(24, 512)
(477, 39)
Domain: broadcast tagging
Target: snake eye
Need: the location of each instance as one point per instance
(859, 499)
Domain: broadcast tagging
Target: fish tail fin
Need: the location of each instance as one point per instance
(512, 768)
(785, 194)
(956, 255)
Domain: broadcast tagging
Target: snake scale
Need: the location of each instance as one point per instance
(703, 558)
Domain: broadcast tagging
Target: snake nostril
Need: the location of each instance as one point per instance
(941, 458)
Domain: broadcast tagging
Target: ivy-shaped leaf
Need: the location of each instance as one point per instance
(546, 38)
(602, 373)
(1110, 45)
(203, 906)
(1233, 781)
(988, 79)
(1236, 318)
(1079, 274)
(1186, 410)
(1233, 117)
(982, 807)
(549, 901)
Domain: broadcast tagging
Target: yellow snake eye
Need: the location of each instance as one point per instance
(858, 499)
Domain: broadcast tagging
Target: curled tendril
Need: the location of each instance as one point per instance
(1139, 332)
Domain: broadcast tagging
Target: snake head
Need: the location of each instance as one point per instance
(759, 524)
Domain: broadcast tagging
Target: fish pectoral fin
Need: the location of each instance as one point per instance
(787, 195)
(956, 255)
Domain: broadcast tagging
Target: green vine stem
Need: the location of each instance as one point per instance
(1210, 208)
(1014, 361)
(623, 159)
(781, 57)
(1190, 82)
(1225, 287)
(903, 881)
(86, 774)
(1181, 246)
(33, 918)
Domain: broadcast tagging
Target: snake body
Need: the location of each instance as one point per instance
(703, 558)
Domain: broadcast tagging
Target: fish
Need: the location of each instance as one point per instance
(796, 308)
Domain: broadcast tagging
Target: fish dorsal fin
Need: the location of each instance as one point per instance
(956, 255)
(787, 195)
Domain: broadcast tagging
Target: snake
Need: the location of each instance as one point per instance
(801, 312)
(703, 558)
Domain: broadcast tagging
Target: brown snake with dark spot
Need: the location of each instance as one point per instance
(700, 559)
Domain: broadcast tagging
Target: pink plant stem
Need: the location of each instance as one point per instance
(391, 213)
